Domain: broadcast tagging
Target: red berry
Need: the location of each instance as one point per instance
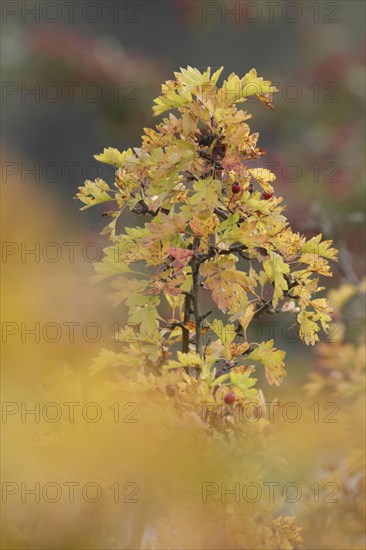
(235, 188)
(266, 195)
(230, 398)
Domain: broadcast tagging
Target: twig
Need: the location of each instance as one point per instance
(263, 308)
(205, 315)
(206, 346)
(145, 209)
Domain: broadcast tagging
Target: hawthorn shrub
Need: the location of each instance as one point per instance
(214, 254)
(215, 233)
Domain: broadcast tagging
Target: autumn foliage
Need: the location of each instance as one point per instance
(215, 236)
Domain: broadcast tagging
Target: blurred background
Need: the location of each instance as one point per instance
(80, 76)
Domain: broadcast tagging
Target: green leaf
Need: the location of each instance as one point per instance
(207, 194)
(271, 359)
(143, 312)
(244, 383)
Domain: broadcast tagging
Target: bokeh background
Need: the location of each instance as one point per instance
(81, 76)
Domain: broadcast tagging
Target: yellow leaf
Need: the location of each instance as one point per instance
(320, 248)
(186, 360)
(264, 177)
(204, 228)
(226, 333)
(275, 269)
(308, 329)
(115, 157)
(94, 192)
(272, 360)
(245, 319)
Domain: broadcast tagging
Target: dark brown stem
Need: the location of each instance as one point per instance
(145, 209)
(195, 293)
(221, 213)
(174, 325)
(186, 319)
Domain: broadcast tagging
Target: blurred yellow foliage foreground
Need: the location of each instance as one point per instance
(117, 459)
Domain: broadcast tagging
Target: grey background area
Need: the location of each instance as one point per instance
(172, 34)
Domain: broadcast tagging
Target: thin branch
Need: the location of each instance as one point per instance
(266, 307)
(206, 346)
(224, 215)
(239, 249)
(263, 308)
(205, 315)
(145, 209)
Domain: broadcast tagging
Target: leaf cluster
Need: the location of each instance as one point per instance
(203, 241)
